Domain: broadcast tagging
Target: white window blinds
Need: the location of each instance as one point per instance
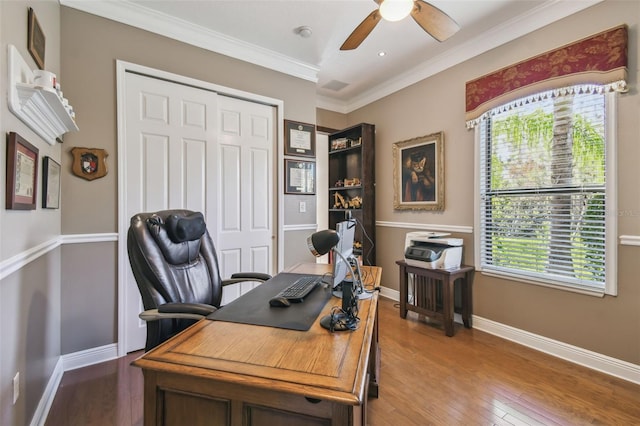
(543, 189)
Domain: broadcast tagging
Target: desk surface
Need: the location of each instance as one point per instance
(315, 363)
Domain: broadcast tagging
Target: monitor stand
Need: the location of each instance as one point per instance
(355, 280)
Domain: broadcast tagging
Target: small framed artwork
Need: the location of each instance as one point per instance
(22, 173)
(300, 177)
(299, 139)
(35, 39)
(418, 173)
(50, 183)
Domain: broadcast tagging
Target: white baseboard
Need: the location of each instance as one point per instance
(595, 361)
(66, 363)
(603, 363)
(90, 356)
(390, 293)
(42, 410)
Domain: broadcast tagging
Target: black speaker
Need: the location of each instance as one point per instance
(348, 298)
(347, 319)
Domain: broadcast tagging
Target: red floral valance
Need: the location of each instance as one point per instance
(600, 59)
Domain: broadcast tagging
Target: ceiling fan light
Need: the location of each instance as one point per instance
(395, 10)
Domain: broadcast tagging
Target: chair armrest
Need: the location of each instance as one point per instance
(186, 308)
(194, 311)
(240, 277)
(252, 276)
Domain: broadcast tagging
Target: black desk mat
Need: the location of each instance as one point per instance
(253, 307)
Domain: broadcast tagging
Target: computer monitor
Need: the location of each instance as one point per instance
(346, 231)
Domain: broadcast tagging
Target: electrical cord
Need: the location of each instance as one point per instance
(341, 320)
(364, 232)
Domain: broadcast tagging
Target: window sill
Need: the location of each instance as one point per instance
(548, 284)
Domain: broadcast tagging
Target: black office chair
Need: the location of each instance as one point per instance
(174, 262)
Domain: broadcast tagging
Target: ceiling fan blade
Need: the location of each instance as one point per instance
(362, 31)
(434, 21)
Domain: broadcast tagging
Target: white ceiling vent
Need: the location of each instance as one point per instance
(335, 85)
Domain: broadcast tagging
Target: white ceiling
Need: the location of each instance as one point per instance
(263, 32)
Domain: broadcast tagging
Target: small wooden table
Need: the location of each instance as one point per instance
(433, 293)
(224, 373)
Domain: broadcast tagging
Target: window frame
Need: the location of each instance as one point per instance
(611, 222)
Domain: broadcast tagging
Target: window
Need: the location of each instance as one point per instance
(545, 188)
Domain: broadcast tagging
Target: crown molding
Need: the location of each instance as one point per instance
(332, 104)
(178, 29)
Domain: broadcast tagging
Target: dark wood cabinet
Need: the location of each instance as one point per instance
(352, 185)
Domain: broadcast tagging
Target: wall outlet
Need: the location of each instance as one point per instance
(303, 207)
(16, 387)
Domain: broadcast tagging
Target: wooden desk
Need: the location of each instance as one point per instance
(223, 373)
(426, 298)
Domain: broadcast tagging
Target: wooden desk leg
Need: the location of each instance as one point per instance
(374, 361)
(467, 299)
(447, 301)
(403, 292)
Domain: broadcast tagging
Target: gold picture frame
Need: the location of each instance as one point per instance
(418, 173)
(35, 39)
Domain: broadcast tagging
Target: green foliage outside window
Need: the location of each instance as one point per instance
(544, 200)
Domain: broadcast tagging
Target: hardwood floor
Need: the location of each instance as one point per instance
(427, 378)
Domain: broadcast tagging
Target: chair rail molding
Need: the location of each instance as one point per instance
(20, 260)
(89, 238)
(625, 240)
(301, 227)
(630, 240)
(462, 229)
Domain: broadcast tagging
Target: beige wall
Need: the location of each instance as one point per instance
(609, 325)
(87, 309)
(29, 296)
(331, 119)
(90, 48)
(23, 230)
(74, 288)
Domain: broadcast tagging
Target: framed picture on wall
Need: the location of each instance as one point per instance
(50, 183)
(22, 173)
(299, 139)
(300, 177)
(418, 173)
(35, 39)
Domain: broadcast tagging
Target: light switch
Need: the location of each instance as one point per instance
(303, 207)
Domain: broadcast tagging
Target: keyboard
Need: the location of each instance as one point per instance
(300, 288)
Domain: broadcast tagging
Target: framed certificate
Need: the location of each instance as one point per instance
(50, 183)
(299, 139)
(35, 39)
(22, 173)
(300, 177)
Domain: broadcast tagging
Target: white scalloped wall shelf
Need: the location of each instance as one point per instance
(38, 107)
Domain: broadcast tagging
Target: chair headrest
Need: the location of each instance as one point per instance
(185, 228)
(178, 236)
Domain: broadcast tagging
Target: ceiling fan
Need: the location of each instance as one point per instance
(434, 21)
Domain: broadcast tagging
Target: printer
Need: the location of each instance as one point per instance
(432, 250)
